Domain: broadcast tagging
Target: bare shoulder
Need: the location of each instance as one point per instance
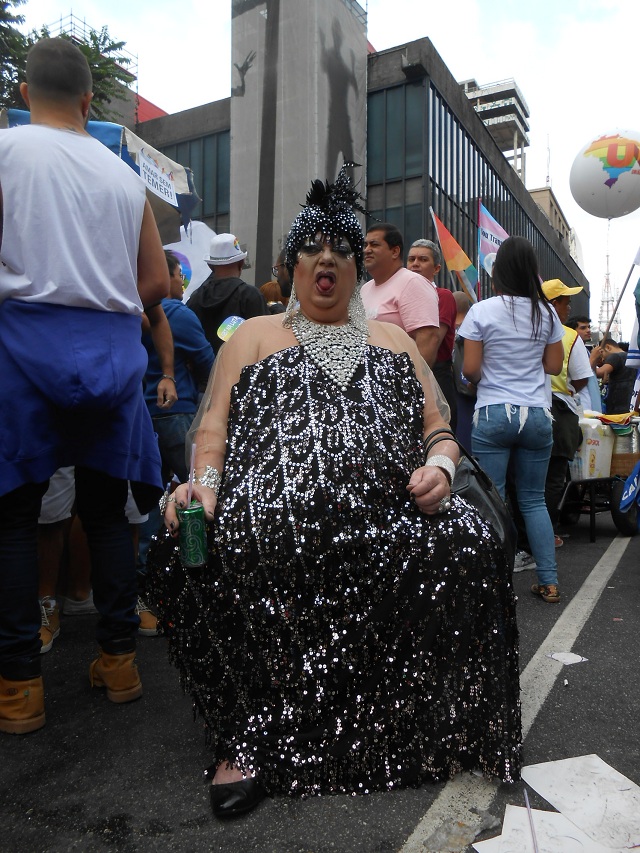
(250, 332)
(259, 337)
(254, 325)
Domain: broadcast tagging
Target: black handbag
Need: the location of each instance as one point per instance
(473, 484)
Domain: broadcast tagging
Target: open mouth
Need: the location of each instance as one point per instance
(325, 281)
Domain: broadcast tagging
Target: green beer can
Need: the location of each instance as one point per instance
(193, 535)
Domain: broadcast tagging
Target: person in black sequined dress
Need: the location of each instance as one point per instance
(354, 629)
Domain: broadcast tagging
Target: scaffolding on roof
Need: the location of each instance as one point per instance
(79, 30)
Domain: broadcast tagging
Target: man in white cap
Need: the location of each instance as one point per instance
(224, 295)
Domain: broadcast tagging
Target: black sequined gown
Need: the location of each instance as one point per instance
(338, 639)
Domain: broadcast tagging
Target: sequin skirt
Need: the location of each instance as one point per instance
(338, 640)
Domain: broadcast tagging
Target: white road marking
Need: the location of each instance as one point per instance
(458, 804)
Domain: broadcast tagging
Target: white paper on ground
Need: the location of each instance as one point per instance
(567, 657)
(491, 845)
(593, 796)
(554, 834)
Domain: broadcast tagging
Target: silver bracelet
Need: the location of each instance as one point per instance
(445, 463)
(211, 479)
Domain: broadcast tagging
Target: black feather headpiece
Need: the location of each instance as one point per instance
(329, 210)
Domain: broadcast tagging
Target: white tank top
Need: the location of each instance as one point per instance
(72, 212)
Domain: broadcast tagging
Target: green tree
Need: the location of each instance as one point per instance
(13, 53)
(108, 66)
(106, 58)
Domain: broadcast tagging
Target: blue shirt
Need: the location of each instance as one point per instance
(192, 358)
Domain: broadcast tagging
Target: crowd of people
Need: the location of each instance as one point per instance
(352, 625)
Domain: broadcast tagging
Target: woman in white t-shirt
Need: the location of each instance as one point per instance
(511, 341)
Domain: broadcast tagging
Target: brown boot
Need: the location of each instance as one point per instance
(119, 674)
(21, 705)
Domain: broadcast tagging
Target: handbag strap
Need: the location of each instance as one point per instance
(446, 435)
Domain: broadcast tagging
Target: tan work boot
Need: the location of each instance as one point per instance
(21, 705)
(50, 627)
(119, 674)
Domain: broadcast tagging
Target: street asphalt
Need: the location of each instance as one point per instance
(104, 777)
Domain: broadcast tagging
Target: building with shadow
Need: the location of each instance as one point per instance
(421, 135)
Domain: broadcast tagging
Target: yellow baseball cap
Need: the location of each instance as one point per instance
(554, 288)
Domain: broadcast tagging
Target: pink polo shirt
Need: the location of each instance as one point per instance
(406, 299)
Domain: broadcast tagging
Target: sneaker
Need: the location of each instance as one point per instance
(73, 607)
(549, 592)
(523, 562)
(558, 541)
(50, 627)
(148, 621)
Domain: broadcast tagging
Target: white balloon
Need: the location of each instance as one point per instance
(605, 176)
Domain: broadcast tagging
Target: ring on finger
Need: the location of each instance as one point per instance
(445, 504)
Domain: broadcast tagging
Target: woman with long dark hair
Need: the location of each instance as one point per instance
(511, 341)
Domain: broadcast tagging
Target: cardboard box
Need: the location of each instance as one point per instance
(593, 457)
(622, 464)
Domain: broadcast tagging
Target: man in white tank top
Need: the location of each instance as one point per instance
(81, 258)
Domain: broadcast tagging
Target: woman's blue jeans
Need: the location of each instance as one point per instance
(523, 434)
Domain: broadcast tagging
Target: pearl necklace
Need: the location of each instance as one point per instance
(336, 350)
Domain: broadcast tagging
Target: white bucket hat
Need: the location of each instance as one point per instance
(224, 249)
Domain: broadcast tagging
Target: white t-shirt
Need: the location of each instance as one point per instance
(72, 217)
(406, 299)
(512, 369)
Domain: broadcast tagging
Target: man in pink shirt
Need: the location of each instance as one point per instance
(397, 295)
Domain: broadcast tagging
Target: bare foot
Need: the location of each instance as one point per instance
(227, 773)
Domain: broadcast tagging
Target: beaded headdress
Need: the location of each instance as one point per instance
(329, 210)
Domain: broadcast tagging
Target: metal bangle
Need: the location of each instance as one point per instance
(210, 479)
(172, 378)
(445, 464)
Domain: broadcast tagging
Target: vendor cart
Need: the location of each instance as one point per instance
(591, 496)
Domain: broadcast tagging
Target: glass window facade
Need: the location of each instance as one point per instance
(419, 155)
(209, 159)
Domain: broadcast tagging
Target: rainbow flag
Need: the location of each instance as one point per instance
(491, 235)
(456, 260)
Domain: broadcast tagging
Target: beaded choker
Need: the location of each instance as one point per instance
(336, 350)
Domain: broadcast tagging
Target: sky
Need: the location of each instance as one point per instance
(575, 62)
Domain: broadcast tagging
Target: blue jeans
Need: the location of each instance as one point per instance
(524, 434)
(100, 503)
